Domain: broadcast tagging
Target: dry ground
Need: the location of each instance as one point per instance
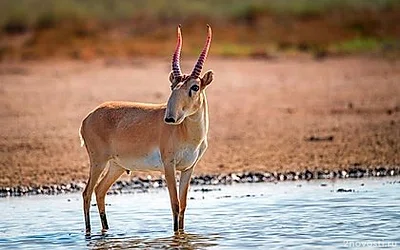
(261, 112)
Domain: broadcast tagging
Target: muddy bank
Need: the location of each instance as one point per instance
(138, 184)
(282, 115)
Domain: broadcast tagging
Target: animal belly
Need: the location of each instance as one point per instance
(148, 162)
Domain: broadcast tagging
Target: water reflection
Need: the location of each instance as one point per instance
(177, 241)
(290, 215)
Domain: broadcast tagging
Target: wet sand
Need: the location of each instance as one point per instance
(266, 115)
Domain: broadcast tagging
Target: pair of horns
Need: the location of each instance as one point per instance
(176, 68)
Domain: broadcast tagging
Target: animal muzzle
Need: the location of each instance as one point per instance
(173, 111)
(169, 120)
(173, 118)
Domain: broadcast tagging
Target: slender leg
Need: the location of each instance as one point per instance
(113, 173)
(173, 194)
(184, 184)
(183, 190)
(96, 168)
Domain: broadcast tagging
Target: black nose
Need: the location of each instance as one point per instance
(169, 120)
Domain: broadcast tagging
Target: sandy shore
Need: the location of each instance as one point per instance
(266, 115)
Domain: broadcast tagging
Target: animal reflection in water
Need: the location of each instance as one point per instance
(140, 136)
(177, 241)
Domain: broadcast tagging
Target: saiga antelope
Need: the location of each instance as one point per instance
(141, 136)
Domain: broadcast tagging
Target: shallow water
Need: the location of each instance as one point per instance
(286, 215)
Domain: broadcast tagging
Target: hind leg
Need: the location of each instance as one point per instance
(96, 168)
(113, 173)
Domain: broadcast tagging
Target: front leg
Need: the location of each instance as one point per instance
(183, 190)
(173, 194)
(184, 184)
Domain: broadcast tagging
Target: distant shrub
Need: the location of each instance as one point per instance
(15, 26)
(358, 44)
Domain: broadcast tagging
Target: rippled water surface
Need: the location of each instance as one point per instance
(287, 215)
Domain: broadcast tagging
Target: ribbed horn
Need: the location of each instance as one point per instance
(202, 58)
(176, 68)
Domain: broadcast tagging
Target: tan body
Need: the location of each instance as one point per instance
(139, 136)
(135, 137)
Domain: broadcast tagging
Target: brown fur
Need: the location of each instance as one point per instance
(127, 132)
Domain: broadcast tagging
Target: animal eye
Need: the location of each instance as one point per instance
(195, 88)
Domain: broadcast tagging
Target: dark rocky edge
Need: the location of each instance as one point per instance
(145, 184)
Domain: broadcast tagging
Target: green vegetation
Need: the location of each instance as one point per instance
(386, 47)
(242, 28)
(233, 50)
(358, 45)
(30, 13)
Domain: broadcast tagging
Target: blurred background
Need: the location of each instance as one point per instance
(78, 29)
(303, 89)
(275, 105)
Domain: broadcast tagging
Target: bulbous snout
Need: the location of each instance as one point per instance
(169, 120)
(173, 116)
(174, 113)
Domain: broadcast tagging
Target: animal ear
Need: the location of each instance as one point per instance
(207, 78)
(172, 77)
(174, 80)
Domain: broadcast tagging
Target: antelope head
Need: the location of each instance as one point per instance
(186, 90)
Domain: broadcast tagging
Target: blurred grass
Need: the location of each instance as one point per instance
(75, 28)
(35, 12)
(358, 45)
(233, 50)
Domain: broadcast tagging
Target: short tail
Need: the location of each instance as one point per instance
(81, 137)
